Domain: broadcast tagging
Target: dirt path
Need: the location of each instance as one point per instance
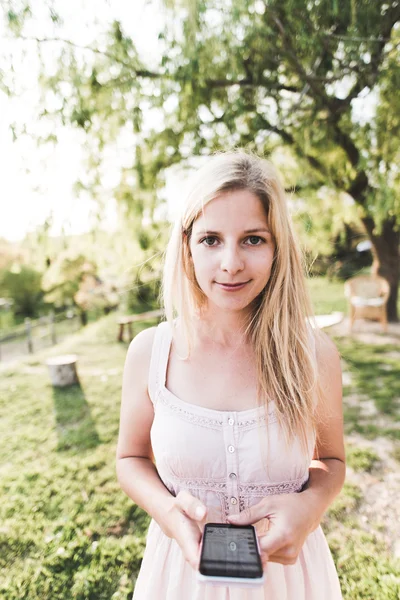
(379, 510)
(369, 332)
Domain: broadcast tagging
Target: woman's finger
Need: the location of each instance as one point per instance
(191, 506)
(284, 554)
(190, 541)
(282, 559)
(272, 543)
(188, 536)
(249, 515)
(192, 553)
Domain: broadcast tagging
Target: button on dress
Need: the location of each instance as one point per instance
(230, 460)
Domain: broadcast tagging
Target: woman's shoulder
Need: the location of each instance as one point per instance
(325, 347)
(141, 346)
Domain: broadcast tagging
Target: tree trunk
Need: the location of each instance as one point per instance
(83, 317)
(385, 250)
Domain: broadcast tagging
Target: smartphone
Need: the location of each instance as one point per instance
(230, 555)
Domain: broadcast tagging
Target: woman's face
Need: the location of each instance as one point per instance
(231, 244)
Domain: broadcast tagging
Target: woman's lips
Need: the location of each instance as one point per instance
(229, 287)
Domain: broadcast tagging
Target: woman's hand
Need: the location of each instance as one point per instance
(291, 520)
(185, 523)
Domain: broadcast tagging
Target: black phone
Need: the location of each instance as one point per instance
(230, 554)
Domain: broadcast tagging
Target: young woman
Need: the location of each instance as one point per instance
(232, 408)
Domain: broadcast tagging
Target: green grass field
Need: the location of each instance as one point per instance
(328, 296)
(66, 529)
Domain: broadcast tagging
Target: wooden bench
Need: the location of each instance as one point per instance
(128, 320)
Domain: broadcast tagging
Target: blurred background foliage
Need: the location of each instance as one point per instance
(311, 85)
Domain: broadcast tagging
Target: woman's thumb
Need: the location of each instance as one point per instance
(191, 505)
(200, 511)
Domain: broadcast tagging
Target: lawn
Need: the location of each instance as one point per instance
(68, 532)
(328, 296)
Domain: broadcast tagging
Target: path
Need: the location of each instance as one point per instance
(379, 511)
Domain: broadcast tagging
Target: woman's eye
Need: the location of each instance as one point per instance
(207, 239)
(257, 239)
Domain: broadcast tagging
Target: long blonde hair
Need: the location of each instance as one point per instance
(279, 329)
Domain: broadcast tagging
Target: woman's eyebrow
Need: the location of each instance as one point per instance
(209, 232)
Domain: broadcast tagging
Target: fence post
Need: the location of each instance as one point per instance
(52, 328)
(28, 329)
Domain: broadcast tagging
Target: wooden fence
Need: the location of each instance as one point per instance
(35, 334)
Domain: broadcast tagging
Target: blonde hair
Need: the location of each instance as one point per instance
(279, 332)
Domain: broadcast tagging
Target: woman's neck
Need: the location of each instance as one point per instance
(225, 329)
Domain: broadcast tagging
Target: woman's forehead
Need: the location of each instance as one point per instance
(237, 208)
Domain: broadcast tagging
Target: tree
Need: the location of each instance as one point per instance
(72, 280)
(259, 73)
(293, 70)
(22, 284)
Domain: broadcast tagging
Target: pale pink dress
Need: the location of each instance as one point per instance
(220, 457)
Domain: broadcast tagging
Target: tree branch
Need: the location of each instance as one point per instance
(138, 72)
(370, 75)
(247, 81)
(145, 73)
(289, 139)
(291, 54)
(345, 141)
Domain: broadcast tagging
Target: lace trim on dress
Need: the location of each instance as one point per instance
(245, 489)
(213, 485)
(272, 418)
(188, 414)
(269, 489)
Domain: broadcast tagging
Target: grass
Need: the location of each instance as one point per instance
(366, 571)
(361, 459)
(345, 504)
(67, 531)
(396, 453)
(328, 295)
(375, 372)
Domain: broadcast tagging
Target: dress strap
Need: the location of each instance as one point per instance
(159, 359)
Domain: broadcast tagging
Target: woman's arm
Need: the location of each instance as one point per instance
(327, 471)
(136, 471)
(326, 479)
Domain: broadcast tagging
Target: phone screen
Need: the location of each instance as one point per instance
(230, 551)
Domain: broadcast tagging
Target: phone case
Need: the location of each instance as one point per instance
(231, 581)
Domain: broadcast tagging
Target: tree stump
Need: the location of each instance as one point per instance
(62, 370)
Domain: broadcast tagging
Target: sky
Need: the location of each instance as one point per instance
(36, 182)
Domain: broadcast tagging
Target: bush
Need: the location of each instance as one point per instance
(23, 285)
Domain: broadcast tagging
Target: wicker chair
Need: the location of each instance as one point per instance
(367, 296)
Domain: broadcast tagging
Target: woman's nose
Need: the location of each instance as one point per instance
(231, 260)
